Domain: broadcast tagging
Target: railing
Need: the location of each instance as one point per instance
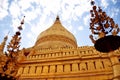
(82, 66)
(63, 52)
(53, 54)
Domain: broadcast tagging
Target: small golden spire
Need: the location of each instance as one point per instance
(10, 60)
(2, 45)
(21, 23)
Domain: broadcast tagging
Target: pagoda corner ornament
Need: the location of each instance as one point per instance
(8, 60)
(104, 28)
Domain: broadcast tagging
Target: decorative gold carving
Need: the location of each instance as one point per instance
(56, 38)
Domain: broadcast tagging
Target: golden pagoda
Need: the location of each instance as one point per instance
(56, 56)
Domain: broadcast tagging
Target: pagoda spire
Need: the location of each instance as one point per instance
(57, 20)
(2, 45)
(14, 43)
(10, 66)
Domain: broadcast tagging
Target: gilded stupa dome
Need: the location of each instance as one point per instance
(56, 37)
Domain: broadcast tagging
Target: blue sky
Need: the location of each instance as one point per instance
(41, 14)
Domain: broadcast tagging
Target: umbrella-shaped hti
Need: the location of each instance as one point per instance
(105, 29)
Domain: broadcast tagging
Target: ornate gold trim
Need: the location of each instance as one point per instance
(56, 38)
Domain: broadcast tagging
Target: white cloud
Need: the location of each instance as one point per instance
(15, 24)
(17, 10)
(104, 3)
(30, 15)
(71, 10)
(66, 10)
(6, 31)
(4, 4)
(24, 4)
(24, 7)
(114, 12)
(74, 32)
(3, 13)
(14, 10)
(114, 1)
(86, 20)
(84, 6)
(75, 18)
(53, 6)
(29, 36)
(80, 28)
(3, 8)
